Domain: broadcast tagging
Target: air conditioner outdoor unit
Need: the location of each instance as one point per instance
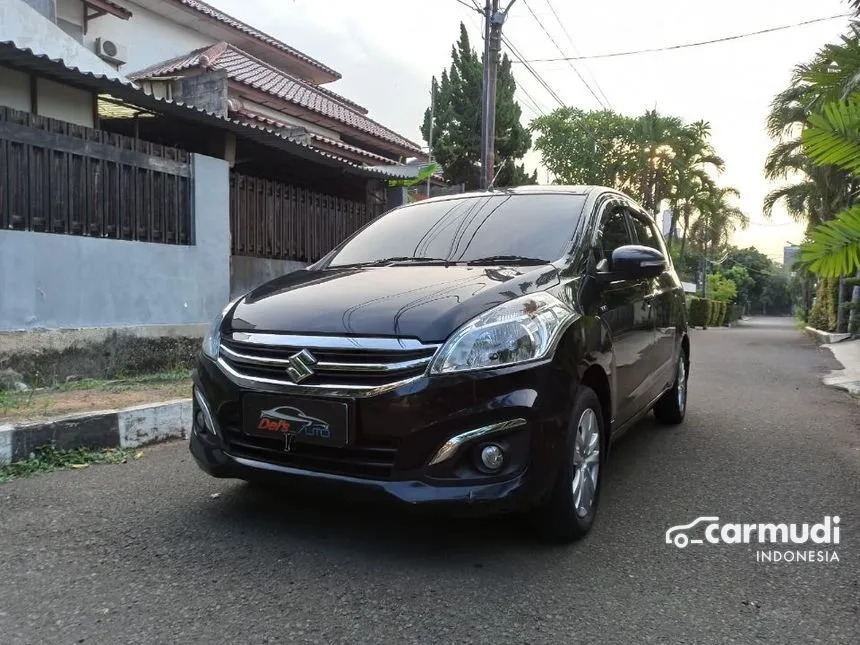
(111, 51)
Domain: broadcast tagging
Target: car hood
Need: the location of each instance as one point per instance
(418, 301)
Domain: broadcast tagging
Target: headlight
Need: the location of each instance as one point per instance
(524, 329)
(212, 339)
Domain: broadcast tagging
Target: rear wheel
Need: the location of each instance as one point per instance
(569, 512)
(672, 406)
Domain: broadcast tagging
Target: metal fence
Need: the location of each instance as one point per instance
(269, 219)
(57, 177)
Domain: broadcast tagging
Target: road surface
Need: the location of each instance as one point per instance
(156, 552)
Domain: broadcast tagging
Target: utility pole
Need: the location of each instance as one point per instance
(493, 21)
(430, 139)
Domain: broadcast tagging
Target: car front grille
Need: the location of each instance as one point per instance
(359, 366)
(374, 461)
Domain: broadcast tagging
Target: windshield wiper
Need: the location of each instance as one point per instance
(508, 259)
(402, 259)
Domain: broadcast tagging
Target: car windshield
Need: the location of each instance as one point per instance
(507, 228)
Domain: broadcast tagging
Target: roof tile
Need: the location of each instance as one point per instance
(253, 116)
(244, 68)
(230, 21)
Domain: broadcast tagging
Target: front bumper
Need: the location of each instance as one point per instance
(397, 434)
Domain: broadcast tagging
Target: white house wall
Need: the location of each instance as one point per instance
(64, 103)
(147, 37)
(28, 29)
(71, 11)
(52, 99)
(14, 89)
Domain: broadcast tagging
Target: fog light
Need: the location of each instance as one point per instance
(492, 456)
(200, 421)
(203, 417)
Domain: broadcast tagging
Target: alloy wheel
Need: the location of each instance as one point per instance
(682, 384)
(586, 462)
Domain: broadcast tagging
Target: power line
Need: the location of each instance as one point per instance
(687, 45)
(576, 52)
(531, 104)
(552, 40)
(516, 54)
(522, 60)
(773, 224)
(468, 6)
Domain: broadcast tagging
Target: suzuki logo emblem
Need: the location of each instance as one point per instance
(300, 366)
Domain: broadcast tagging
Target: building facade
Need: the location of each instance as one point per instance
(189, 51)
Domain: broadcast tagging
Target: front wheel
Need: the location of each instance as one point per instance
(569, 512)
(672, 406)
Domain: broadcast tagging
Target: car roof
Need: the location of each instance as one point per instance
(573, 190)
(528, 190)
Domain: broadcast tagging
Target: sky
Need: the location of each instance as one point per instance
(388, 50)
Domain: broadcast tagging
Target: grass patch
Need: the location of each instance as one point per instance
(18, 401)
(123, 385)
(70, 397)
(47, 458)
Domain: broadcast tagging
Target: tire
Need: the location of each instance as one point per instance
(672, 406)
(565, 516)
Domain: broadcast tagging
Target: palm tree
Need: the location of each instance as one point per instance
(831, 140)
(718, 219)
(693, 167)
(820, 191)
(649, 164)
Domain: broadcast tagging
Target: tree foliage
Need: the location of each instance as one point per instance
(818, 123)
(582, 147)
(762, 286)
(721, 288)
(457, 121)
(658, 159)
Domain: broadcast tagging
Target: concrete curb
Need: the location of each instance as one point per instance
(127, 428)
(826, 338)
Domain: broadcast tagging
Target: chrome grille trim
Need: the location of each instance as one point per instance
(359, 391)
(331, 342)
(343, 366)
(329, 366)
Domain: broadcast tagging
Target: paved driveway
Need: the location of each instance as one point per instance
(144, 553)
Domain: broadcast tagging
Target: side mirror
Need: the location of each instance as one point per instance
(633, 262)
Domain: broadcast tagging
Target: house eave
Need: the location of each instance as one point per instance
(245, 37)
(26, 60)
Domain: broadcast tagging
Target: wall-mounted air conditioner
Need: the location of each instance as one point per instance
(110, 50)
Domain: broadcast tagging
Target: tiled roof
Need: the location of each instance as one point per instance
(315, 137)
(230, 21)
(244, 68)
(57, 69)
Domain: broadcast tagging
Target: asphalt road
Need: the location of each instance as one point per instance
(144, 553)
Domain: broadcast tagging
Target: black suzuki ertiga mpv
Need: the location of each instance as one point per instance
(479, 351)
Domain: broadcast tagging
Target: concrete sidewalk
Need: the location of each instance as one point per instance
(848, 353)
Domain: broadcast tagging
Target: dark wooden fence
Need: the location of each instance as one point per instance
(57, 177)
(269, 219)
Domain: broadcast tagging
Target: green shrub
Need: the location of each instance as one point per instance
(734, 313)
(724, 309)
(714, 318)
(698, 312)
(823, 314)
